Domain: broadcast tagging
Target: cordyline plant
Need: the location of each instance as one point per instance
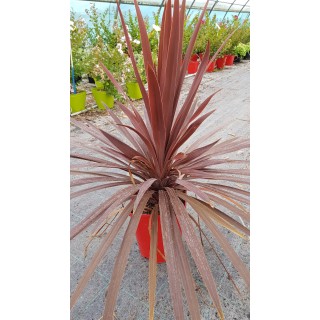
(157, 170)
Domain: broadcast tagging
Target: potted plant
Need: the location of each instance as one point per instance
(233, 24)
(223, 31)
(133, 89)
(203, 35)
(242, 38)
(78, 38)
(105, 92)
(240, 51)
(210, 35)
(194, 60)
(104, 96)
(247, 56)
(156, 170)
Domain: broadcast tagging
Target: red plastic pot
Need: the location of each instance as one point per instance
(194, 57)
(229, 59)
(143, 238)
(193, 67)
(211, 66)
(221, 62)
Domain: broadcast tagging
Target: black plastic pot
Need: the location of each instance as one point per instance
(237, 59)
(91, 80)
(247, 56)
(76, 79)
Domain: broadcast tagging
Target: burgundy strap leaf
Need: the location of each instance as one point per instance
(185, 273)
(103, 186)
(171, 258)
(143, 188)
(236, 261)
(153, 260)
(232, 205)
(131, 54)
(84, 181)
(147, 56)
(195, 248)
(191, 187)
(121, 260)
(156, 115)
(172, 69)
(107, 206)
(164, 44)
(187, 56)
(203, 105)
(137, 121)
(125, 132)
(215, 213)
(105, 244)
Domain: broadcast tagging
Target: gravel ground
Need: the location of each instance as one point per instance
(231, 103)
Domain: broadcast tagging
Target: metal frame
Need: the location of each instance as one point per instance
(213, 7)
(117, 11)
(154, 4)
(243, 7)
(229, 9)
(161, 5)
(190, 7)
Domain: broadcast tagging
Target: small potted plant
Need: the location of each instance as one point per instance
(133, 89)
(240, 51)
(78, 38)
(194, 60)
(104, 93)
(233, 24)
(242, 39)
(247, 56)
(223, 31)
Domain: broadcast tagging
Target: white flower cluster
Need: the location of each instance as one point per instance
(157, 28)
(122, 45)
(119, 48)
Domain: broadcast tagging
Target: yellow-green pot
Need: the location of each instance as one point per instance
(101, 97)
(78, 101)
(134, 90)
(99, 84)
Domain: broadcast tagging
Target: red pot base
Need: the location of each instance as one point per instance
(211, 66)
(229, 60)
(143, 238)
(220, 63)
(193, 67)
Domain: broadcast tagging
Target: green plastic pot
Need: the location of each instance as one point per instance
(99, 84)
(78, 101)
(100, 96)
(134, 90)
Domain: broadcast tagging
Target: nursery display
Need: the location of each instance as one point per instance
(92, 41)
(160, 175)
